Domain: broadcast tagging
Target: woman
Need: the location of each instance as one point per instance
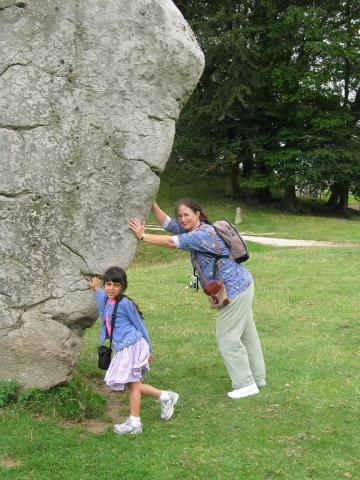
(236, 333)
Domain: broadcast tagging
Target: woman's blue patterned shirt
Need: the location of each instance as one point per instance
(234, 275)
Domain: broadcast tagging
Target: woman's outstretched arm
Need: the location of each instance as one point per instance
(160, 215)
(139, 231)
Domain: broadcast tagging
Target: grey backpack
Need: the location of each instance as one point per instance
(232, 239)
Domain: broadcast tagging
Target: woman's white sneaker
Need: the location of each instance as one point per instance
(244, 392)
(261, 383)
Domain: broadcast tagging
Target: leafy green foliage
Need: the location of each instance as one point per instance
(280, 95)
(75, 400)
(318, 138)
(8, 392)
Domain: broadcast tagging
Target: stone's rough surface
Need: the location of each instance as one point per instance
(89, 94)
(46, 349)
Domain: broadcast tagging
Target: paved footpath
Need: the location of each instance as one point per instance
(285, 242)
(278, 242)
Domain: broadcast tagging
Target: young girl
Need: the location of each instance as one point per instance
(133, 349)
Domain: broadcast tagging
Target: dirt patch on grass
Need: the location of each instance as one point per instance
(110, 417)
(112, 412)
(9, 462)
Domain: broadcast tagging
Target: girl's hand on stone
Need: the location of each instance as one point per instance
(150, 358)
(94, 283)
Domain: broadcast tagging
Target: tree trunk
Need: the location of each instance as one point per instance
(228, 186)
(248, 166)
(343, 202)
(339, 198)
(263, 194)
(232, 187)
(355, 107)
(290, 201)
(235, 182)
(334, 197)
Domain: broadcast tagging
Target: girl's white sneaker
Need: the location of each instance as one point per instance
(127, 428)
(244, 392)
(167, 406)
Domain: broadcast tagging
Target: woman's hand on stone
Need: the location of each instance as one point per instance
(137, 227)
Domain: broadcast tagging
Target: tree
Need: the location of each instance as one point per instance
(279, 95)
(214, 133)
(317, 136)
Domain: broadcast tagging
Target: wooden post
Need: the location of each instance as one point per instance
(238, 217)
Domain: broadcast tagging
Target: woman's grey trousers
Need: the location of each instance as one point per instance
(238, 341)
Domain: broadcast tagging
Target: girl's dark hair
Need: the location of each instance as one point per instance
(118, 275)
(194, 206)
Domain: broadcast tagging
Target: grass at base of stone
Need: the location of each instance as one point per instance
(303, 425)
(75, 400)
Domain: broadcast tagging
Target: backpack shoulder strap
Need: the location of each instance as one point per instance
(212, 231)
(222, 237)
(217, 256)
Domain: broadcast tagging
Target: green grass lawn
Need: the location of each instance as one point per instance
(303, 425)
(259, 219)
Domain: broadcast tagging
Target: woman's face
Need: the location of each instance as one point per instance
(188, 218)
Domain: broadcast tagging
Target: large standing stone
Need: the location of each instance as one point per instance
(89, 94)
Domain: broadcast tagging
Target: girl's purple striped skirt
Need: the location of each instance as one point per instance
(128, 365)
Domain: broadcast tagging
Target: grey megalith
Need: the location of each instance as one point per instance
(89, 94)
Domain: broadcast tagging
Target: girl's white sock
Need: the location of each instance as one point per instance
(135, 421)
(164, 395)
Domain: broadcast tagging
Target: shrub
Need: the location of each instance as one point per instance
(74, 400)
(8, 392)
